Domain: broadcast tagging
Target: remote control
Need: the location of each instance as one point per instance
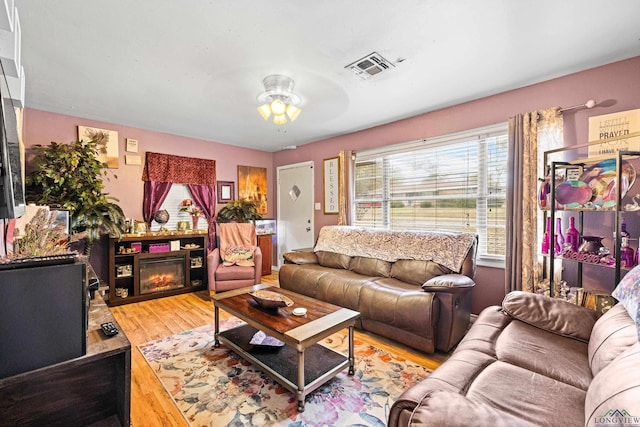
(109, 329)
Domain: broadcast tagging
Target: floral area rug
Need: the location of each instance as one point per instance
(215, 387)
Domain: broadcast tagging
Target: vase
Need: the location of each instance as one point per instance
(194, 222)
(573, 236)
(591, 244)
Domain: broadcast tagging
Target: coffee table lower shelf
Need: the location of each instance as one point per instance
(319, 363)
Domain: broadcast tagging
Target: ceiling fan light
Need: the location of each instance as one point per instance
(293, 112)
(278, 107)
(265, 111)
(278, 102)
(280, 119)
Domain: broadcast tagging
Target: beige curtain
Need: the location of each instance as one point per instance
(530, 135)
(345, 196)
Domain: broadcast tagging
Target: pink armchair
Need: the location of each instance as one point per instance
(226, 277)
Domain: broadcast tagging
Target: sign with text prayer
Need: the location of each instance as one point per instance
(614, 125)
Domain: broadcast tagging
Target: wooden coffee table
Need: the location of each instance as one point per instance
(301, 365)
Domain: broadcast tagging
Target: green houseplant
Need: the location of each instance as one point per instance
(238, 211)
(71, 176)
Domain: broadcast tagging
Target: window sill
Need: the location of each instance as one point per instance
(490, 262)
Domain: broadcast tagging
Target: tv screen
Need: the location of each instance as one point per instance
(12, 198)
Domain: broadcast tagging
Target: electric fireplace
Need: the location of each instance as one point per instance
(162, 273)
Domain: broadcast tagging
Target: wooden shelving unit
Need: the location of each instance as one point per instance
(179, 258)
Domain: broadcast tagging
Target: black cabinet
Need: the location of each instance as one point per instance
(43, 316)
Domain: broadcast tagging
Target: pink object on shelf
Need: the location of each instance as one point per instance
(159, 247)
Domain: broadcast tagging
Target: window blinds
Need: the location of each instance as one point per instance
(456, 182)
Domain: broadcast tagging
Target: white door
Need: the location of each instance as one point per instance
(295, 208)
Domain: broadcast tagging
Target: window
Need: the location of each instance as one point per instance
(456, 182)
(177, 193)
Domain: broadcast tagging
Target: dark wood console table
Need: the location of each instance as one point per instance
(94, 388)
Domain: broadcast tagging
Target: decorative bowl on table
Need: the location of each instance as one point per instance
(269, 299)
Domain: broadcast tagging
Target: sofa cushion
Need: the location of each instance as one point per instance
(239, 255)
(534, 399)
(333, 260)
(556, 316)
(302, 279)
(300, 258)
(370, 266)
(545, 353)
(612, 334)
(628, 293)
(417, 272)
(235, 272)
(342, 287)
(615, 388)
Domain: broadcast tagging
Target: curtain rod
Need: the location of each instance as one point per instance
(589, 104)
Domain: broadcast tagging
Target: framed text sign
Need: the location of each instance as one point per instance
(331, 181)
(613, 128)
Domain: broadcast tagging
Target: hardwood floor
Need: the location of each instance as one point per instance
(149, 320)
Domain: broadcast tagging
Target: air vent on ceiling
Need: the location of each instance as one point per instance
(371, 65)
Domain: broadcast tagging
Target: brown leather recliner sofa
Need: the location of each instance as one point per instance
(534, 361)
(412, 287)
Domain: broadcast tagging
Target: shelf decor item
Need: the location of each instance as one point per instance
(188, 206)
(591, 244)
(601, 178)
(545, 239)
(573, 236)
(559, 237)
(543, 193)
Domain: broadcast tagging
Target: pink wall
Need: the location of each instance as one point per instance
(41, 127)
(616, 87)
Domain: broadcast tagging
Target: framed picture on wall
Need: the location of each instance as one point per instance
(252, 186)
(225, 190)
(331, 182)
(106, 143)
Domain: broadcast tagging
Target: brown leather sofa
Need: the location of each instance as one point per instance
(535, 361)
(413, 300)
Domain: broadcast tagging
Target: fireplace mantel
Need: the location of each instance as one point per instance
(152, 265)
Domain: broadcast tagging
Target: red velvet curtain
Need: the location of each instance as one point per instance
(161, 170)
(154, 194)
(179, 169)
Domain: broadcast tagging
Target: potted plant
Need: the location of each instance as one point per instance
(239, 211)
(71, 176)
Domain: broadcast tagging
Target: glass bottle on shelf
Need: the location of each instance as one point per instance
(559, 237)
(543, 193)
(624, 239)
(627, 255)
(573, 236)
(545, 238)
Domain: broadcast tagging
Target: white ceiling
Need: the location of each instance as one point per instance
(195, 67)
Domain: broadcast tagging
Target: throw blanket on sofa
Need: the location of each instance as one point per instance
(447, 248)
